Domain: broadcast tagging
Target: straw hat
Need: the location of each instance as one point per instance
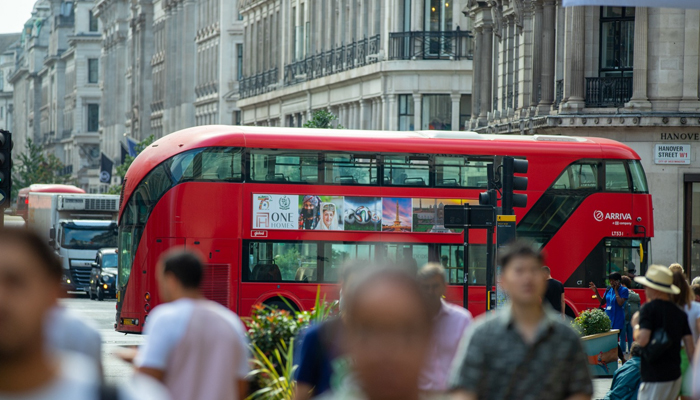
(659, 278)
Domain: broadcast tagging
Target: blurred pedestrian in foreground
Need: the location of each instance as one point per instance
(632, 305)
(387, 336)
(661, 363)
(195, 346)
(626, 381)
(322, 352)
(30, 284)
(554, 293)
(449, 324)
(521, 351)
(69, 331)
(684, 300)
(614, 299)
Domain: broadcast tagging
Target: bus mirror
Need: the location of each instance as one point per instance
(52, 233)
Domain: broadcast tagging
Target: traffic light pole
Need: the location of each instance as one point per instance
(490, 295)
(465, 269)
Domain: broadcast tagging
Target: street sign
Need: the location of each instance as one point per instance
(469, 216)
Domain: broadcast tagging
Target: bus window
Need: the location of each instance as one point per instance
(616, 177)
(208, 164)
(578, 176)
(456, 171)
(283, 167)
(350, 169)
(407, 170)
(639, 179)
(274, 262)
(340, 253)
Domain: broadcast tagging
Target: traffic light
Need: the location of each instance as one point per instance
(511, 166)
(5, 168)
(489, 198)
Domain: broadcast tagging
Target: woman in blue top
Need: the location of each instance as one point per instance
(614, 299)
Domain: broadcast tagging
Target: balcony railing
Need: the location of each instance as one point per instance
(345, 57)
(608, 91)
(442, 45)
(258, 84)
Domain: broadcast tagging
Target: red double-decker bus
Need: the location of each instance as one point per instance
(276, 211)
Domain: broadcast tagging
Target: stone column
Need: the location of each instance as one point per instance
(690, 102)
(576, 92)
(455, 97)
(476, 74)
(390, 117)
(639, 100)
(417, 108)
(486, 74)
(548, 60)
(363, 114)
(536, 52)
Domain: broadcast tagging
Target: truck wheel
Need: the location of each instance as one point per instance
(100, 294)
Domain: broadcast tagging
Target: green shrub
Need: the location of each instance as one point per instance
(591, 322)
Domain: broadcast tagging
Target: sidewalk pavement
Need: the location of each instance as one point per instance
(601, 387)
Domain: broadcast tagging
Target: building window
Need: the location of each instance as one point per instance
(465, 110)
(93, 117)
(239, 65)
(616, 41)
(437, 112)
(2, 80)
(2, 112)
(406, 113)
(237, 117)
(93, 22)
(93, 70)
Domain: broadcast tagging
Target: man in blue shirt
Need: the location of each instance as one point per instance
(614, 299)
(626, 381)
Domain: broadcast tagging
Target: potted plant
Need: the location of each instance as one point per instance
(599, 341)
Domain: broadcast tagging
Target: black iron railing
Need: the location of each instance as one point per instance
(345, 57)
(258, 84)
(608, 91)
(559, 93)
(443, 45)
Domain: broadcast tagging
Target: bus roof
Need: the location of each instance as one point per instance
(50, 188)
(343, 140)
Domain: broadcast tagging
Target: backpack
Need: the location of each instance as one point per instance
(632, 305)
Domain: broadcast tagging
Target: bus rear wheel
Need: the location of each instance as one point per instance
(281, 305)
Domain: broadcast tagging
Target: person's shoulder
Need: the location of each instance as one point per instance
(489, 323)
(178, 310)
(456, 311)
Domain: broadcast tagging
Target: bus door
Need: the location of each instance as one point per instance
(625, 256)
(155, 251)
(220, 283)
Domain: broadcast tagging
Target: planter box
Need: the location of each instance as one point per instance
(601, 350)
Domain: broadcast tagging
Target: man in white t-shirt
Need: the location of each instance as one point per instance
(30, 284)
(195, 346)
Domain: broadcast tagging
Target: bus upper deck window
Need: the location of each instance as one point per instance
(350, 169)
(407, 170)
(616, 179)
(639, 179)
(578, 176)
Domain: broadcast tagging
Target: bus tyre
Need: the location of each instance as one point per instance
(100, 294)
(281, 305)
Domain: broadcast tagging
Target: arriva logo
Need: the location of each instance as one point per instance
(600, 216)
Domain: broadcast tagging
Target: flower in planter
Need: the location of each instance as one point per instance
(592, 322)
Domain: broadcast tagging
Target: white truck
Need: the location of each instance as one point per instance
(75, 226)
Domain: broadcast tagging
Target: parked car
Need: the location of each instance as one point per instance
(103, 276)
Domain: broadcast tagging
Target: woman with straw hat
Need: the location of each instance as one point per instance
(661, 373)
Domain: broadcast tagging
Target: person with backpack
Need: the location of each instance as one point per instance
(631, 307)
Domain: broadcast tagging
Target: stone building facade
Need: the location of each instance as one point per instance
(629, 74)
(9, 45)
(167, 65)
(57, 84)
(377, 64)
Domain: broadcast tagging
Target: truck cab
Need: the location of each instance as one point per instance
(76, 242)
(76, 226)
